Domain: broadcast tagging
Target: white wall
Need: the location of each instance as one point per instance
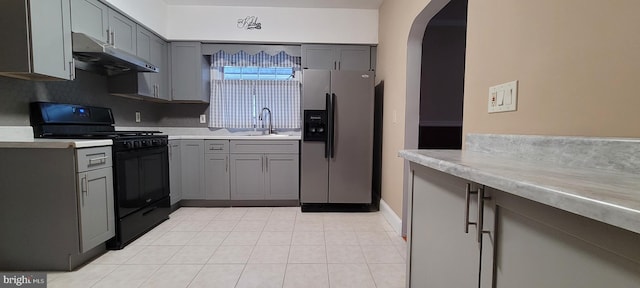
(280, 25)
(151, 13)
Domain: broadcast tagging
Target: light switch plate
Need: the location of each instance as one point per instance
(203, 118)
(137, 117)
(503, 97)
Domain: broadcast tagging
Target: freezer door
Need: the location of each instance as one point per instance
(314, 166)
(350, 167)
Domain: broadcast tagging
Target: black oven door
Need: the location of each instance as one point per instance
(142, 178)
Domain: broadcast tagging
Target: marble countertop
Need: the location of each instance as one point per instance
(234, 137)
(604, 195)
(54, 143)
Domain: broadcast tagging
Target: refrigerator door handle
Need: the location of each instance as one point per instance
(332, 124)
(327, 149)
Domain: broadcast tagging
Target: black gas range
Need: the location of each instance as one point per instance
(140, 163)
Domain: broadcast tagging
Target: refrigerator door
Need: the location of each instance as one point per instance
(314, 166)
(350, 167)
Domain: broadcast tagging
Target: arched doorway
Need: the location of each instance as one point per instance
(440, 13)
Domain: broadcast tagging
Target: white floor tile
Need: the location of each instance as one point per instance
(154, 255)
(127, 276)
(382, 254)
(350, 276)
(308, 226)
(218, 276)
(208, 238)
(221, 225)
(175, 238)
(119, 256)
(279, 225)
(308, 254)
(231, 254)
(250, 225)
(172, 276)
(258, 213)
(236, 238)
(269, 254)
(191, 225)
(262, 276)
(345, 254)
(373, 238)
(192, 255)
(84, 277)
(306, 275)
(308, 238)
(340, 238)
(389, 275)
(232, 213)
(274, 238)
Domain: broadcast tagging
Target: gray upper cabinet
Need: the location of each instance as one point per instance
(264, 170)
(216, 170)
(90, 17)
(97, 20)
(192, 153)
(190, 72)
(36, 40)
(175, 171)
(152, 86)
(336, 57)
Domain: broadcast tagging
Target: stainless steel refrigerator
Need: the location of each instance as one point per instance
(337, 139)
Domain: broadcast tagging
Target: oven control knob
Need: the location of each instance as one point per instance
(137, 144)
(128, 144)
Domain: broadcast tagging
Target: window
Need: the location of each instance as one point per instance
(243, 84)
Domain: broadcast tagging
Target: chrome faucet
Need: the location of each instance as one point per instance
(270, 119)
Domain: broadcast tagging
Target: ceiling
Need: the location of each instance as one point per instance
(351, 4)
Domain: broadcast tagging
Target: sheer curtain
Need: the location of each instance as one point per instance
(237, 103)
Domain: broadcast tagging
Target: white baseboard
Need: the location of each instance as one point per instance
(394, 220)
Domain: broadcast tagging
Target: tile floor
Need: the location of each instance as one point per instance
(252, 247)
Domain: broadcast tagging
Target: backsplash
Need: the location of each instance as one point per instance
(91, 89)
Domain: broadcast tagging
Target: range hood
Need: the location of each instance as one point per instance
(93, 55)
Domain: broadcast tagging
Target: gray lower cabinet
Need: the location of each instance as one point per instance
(175, 171)
(65, 202)
(523, 243)
(96, 207)
(36, 40)
(336, 57)
(192, 152)
(441, 253)
(190, 72)
(217, 170)
(264, 170)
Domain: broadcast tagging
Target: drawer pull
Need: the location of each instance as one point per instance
(216, 148)
(102, 160)
(467, 200)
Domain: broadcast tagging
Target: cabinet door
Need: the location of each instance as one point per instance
(189, 73)
(159, 55)
(247, 176)
(441, 253)
(51, 38)
(175, 171)
(354, 57)
(282, 177)
(123, 32)
(90, 17)
(540, 246)
(97, 224)
(217, 177)
(192, 169)
(319, 57)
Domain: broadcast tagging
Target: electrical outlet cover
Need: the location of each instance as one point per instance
(203, 118)
(503, 97)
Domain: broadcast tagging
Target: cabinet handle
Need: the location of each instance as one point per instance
(266, 162)
(481, 198)
(108, 38)
(84, 188)
(339, 65)
(113, 38)
(101, 159)
(335, 65)
(215, 148)
(467, 200)
(226, 164)
(72, 70)
(262, 163)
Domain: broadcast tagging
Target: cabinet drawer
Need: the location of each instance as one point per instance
(93, 158)
(216, 146)
(266, 146)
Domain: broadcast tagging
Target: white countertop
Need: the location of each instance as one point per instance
(234, 137)
(604, 195)
(54, 143)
